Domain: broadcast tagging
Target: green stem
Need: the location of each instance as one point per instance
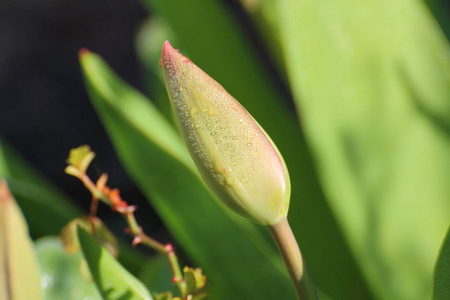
(138, 233)
(289, 250)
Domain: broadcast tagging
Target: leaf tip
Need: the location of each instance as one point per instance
(83, 52)
(5, 193)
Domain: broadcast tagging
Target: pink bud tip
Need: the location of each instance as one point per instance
(174, 280)
(83, 51)
(169, 247)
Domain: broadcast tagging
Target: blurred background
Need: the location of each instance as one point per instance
(44, 107)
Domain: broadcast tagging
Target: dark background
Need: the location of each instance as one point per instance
(44, 108)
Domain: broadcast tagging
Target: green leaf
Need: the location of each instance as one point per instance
(165, 296)
(441, 283)
(19, 273)
(94, 226)
(206, 30)
(154, 155)
(60, 272)
(81, 157)
(195, 280)
(200, 296)
(113, 281)
(38, 199)
(151, 35)
(371, 79)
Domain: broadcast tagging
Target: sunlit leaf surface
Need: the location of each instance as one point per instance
(371, 80)
(19, 273)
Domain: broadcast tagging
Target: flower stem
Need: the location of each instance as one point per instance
(289, 250)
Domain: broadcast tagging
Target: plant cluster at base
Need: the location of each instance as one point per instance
(190, 282)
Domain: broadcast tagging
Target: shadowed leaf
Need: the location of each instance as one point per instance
(441, 283)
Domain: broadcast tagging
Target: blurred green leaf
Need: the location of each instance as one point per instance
(94, 226)
(19, 273)
(113, 281)
(195, 280)
(81, 157)
(60, 272)
(156, 158)
(441, 9)
(165, 296)
(211, 37)
(264, 16)
(441, 283)
(38, 199)
(371, 79)
(151, 35)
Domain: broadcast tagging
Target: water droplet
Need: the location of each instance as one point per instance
(213, 133)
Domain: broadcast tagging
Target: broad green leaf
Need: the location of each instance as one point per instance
(441, 283)
(151, 35)
(264, 16)
(113, 281)
(154, 155)
(38, 199)
(211, 38)
(371, 79)
(93, 225)
(60, 272)
(19, 273)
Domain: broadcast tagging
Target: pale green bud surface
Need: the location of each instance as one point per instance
(234, 155)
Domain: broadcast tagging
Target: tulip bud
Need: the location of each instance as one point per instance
(234, 155)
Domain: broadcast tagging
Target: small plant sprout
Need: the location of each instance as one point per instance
(234, 155)
(190, 281)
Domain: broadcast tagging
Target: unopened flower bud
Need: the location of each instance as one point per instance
(234, 155)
